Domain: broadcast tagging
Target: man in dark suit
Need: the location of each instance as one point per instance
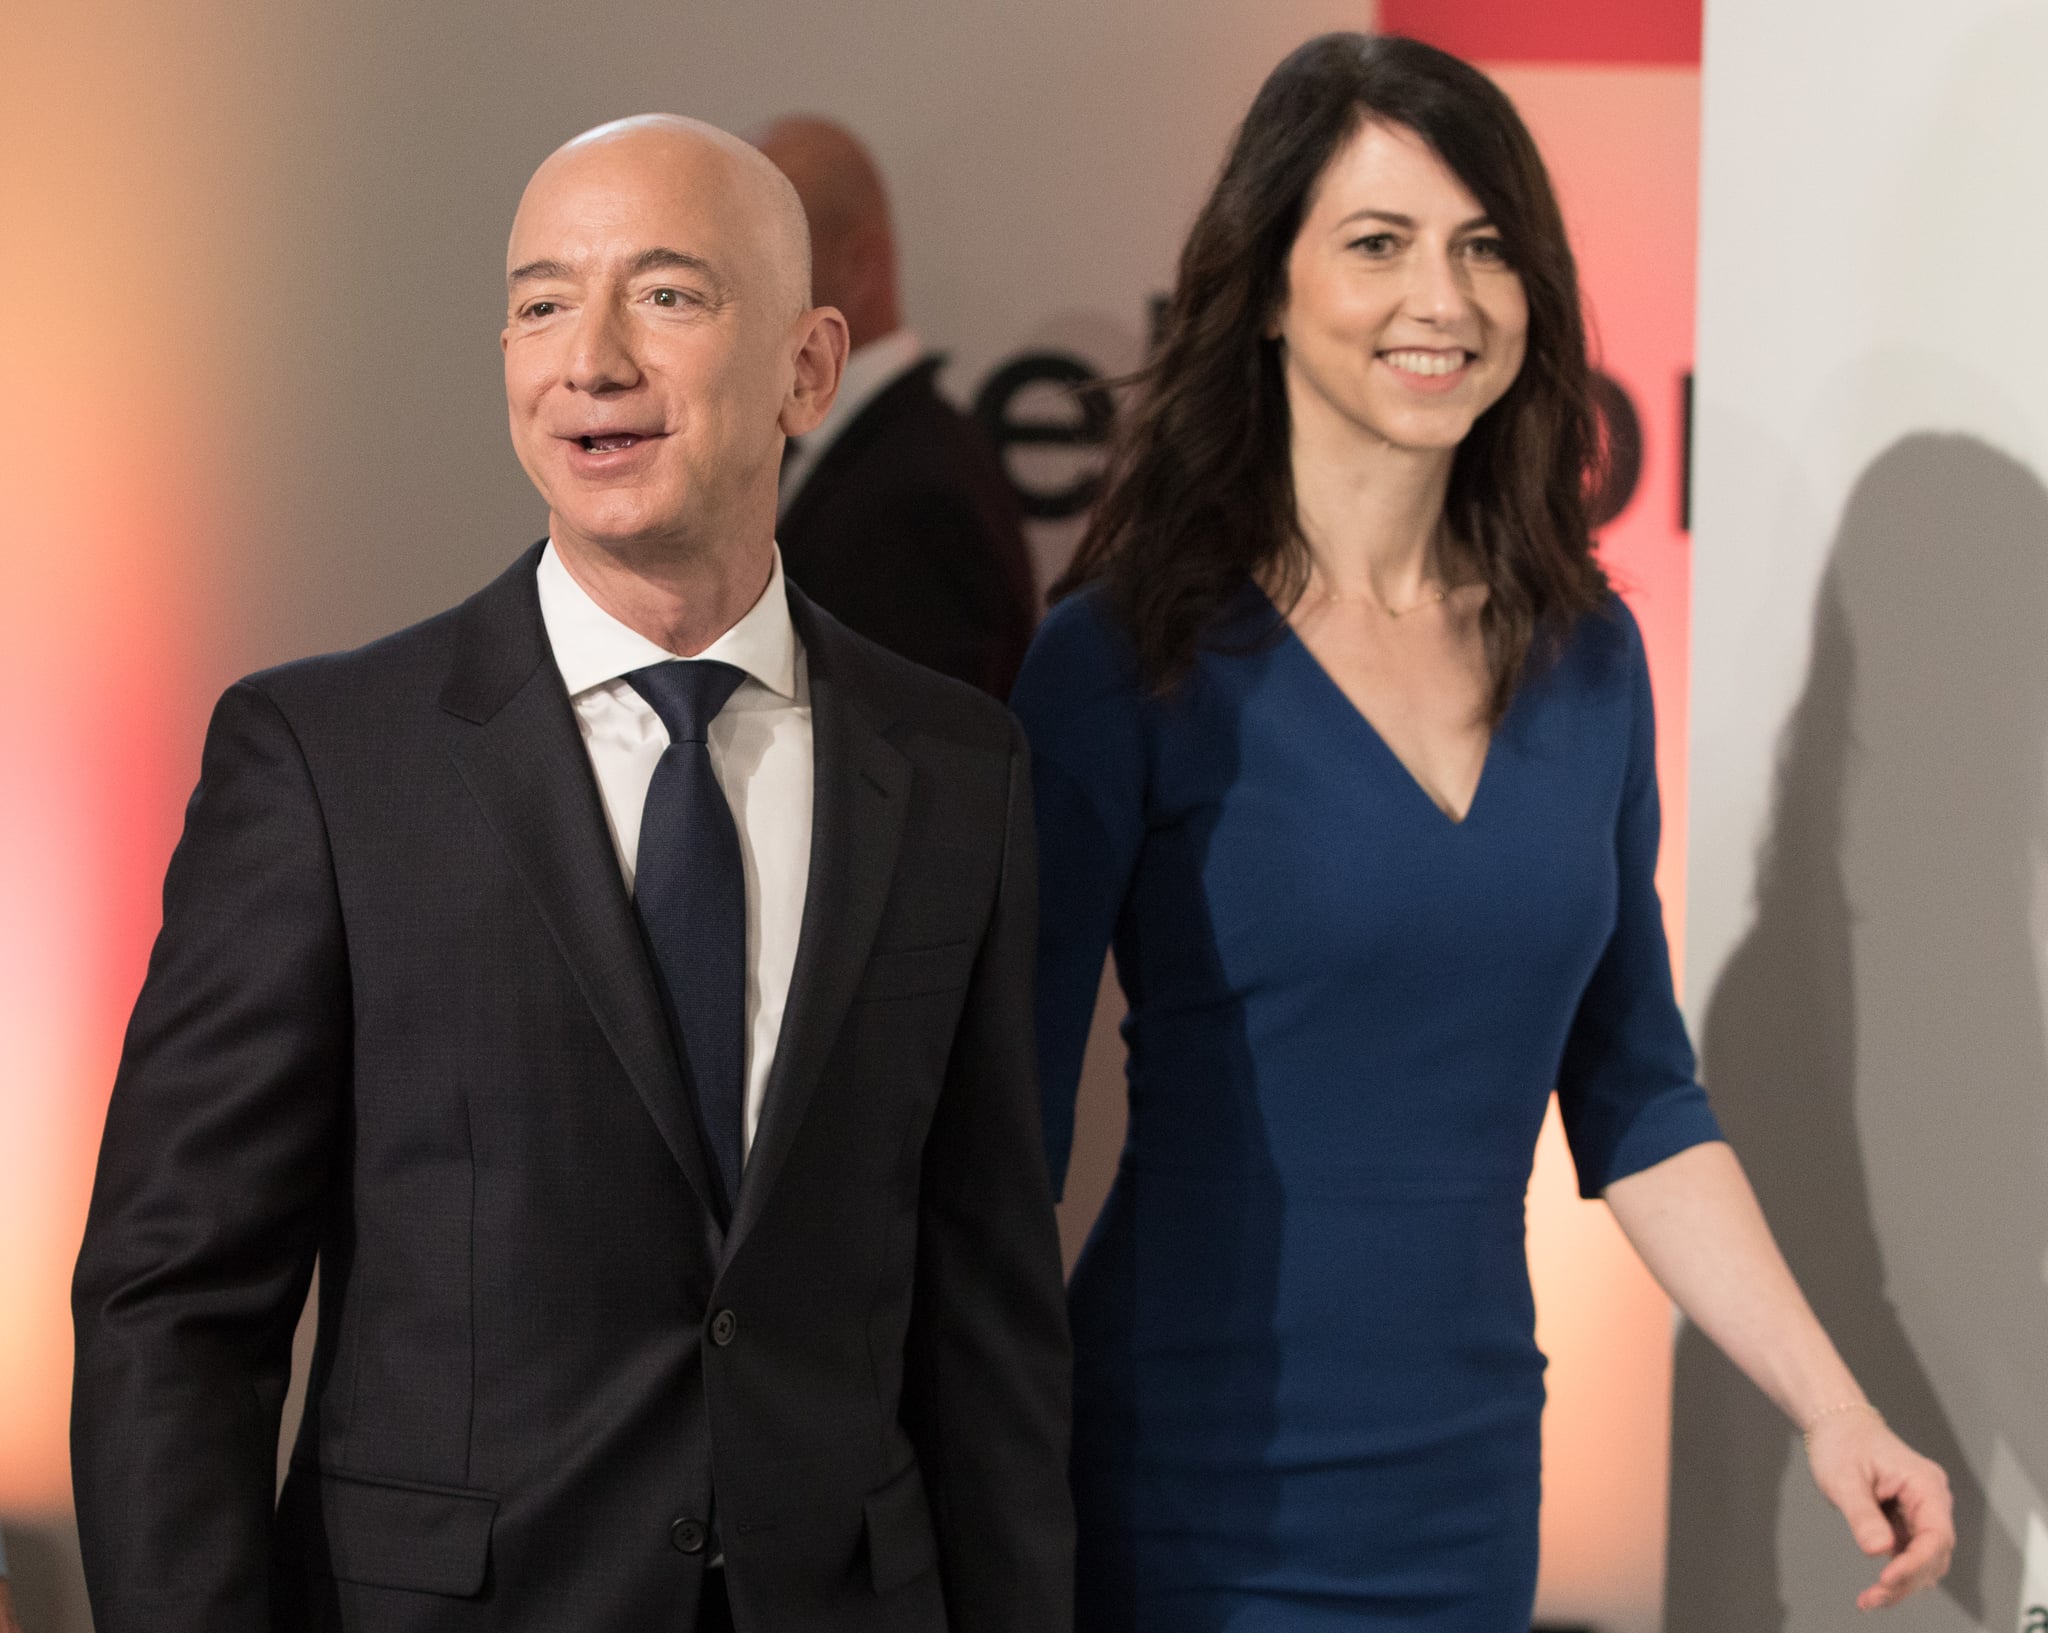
(641, 1045)
(895, 515)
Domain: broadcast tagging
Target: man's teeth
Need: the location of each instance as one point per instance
(608, 445)
(1427, 362)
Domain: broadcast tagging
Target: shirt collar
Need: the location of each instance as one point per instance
(592, 648)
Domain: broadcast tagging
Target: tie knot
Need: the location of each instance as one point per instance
(687, 693)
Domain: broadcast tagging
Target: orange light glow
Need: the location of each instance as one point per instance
(108, 189)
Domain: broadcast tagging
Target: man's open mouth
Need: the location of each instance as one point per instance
(612, 443)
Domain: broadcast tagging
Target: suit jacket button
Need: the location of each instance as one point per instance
(724, 1326)
(688, 1536)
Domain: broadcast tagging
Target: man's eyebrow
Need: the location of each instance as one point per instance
(536, 269)
(658, 259)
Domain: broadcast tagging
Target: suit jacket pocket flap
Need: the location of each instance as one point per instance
(901, 1543)
(388, 1534)
(916, 971)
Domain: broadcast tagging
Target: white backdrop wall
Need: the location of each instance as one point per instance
(1868, 895)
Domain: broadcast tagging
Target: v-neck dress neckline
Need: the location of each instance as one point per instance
(1320, 679)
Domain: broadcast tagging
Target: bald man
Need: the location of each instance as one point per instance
(894, 513)
(620, 985)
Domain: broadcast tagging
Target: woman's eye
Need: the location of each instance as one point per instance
(1490, 250)
(1376, 243)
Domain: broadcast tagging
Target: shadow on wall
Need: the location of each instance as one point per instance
(1875, 1046)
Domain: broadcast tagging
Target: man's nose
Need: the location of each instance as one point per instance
(601, 355)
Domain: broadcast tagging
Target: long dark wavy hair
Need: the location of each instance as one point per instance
(1200, 489)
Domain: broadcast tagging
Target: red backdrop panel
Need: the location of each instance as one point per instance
(1579, 31)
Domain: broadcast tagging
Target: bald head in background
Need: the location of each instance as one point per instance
(852, 238)
(894, 514)
(660, 342)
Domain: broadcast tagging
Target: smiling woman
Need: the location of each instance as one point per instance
(1402, 324)
(1342, 742)
(1409, 322)
(1207, 464)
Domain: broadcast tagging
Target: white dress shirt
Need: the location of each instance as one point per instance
(760, 745)
(870, 371)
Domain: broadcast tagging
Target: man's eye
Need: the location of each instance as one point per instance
(539, 309)
(667, 297)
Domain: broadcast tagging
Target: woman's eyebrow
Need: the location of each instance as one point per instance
(1394, 218)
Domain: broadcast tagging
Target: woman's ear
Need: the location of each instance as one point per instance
(1276, 314)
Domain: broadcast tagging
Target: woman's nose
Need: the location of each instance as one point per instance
(1436, 289)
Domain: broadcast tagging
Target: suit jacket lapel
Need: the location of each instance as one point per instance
(861, 792)
(523, 759)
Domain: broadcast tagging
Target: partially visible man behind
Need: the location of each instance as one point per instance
(621, 983)
(894, 514)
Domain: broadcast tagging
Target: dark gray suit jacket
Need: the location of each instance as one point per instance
(401, 1016)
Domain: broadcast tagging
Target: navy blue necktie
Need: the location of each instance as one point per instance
(690, 890)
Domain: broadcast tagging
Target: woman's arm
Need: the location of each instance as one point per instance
(1696, 1223)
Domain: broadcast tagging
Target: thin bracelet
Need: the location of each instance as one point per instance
(1836, 1410)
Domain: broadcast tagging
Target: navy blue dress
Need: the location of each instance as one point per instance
(1307, 1390)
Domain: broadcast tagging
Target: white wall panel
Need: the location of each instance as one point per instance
(1868, 814)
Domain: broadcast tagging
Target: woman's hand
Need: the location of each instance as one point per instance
(1695, 1221)
(1895, 1500)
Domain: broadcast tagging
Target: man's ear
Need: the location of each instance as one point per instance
(821, 346)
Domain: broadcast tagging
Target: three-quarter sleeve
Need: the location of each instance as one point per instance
(1627, 1086)
(1081, 703)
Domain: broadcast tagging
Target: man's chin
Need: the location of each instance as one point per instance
(618, 540)
(611, 521)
